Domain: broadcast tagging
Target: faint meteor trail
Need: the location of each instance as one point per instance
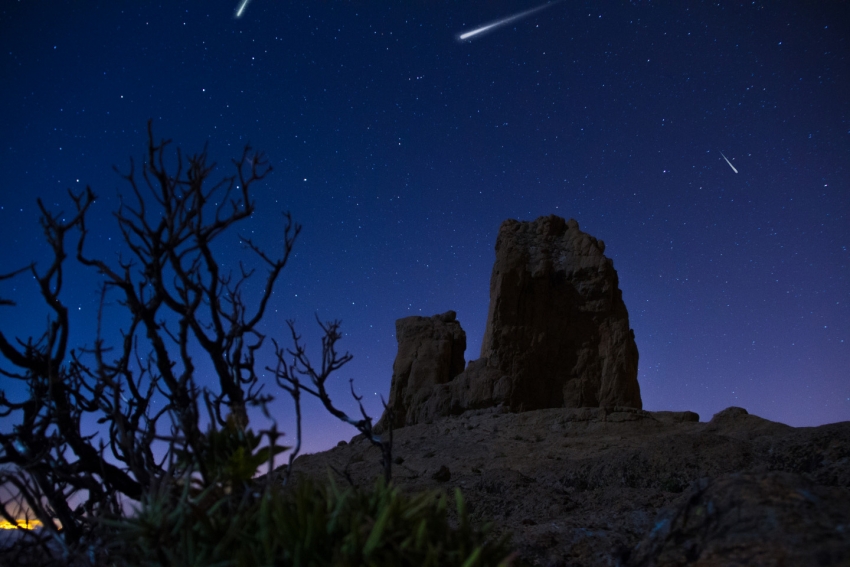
(730, 163)
(499, 23)
(241, 8)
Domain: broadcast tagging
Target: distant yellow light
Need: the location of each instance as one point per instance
(25, 524)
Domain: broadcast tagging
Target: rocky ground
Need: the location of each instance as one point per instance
(627, 487)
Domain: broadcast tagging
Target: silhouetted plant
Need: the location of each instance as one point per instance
(103, 494)
(287, 375)
(179, 305)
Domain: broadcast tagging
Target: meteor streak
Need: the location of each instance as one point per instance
(499, 23)
(730, 163)
(241, 8)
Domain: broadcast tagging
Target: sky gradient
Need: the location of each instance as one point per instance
(401, 149)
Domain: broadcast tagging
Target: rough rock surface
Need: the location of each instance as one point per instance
(621, 486)
(768, 518)
(557, 324)
(430, 352)
(557, 334)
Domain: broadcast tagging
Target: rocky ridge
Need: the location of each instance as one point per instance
(621, 486)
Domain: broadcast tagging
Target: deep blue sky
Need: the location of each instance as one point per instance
(401, 150)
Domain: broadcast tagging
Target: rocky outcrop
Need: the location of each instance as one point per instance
(557, 324)
(557, 334)
(430, 352)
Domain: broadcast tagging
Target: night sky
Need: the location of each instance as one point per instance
(401, 150)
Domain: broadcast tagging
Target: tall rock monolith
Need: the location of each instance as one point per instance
(557, 326)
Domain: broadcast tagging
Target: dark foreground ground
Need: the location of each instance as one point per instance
(590, 487)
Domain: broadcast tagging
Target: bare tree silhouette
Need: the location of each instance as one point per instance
(180, 306)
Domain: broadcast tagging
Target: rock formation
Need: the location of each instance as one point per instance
(557, 324)
(430, 352)
(545, 434)
(557, 334)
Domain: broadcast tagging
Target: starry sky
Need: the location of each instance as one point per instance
(401, 149)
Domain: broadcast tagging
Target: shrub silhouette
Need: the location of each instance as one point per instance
(142, 390)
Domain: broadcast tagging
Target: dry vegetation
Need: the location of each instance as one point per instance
(184, 449)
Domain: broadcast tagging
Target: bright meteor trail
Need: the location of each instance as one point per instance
(730, 163)
(241, 8)
(500, 23)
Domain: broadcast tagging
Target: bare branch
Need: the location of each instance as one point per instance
(332, 361)
(139, 384)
